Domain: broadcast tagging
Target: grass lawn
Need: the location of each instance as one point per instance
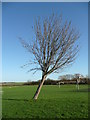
(53, 102)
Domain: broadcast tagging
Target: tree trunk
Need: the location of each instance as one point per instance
(39, 87)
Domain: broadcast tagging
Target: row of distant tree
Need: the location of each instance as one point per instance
(67, 79)
(71, 76)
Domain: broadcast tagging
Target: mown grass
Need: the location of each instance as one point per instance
(53, 102)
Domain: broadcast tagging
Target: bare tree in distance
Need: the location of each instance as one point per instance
(66, 77)
(54, 47)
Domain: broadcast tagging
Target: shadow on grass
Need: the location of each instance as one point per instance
(15, 99)
(24, 100)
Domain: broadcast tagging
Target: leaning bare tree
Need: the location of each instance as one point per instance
(54, 46)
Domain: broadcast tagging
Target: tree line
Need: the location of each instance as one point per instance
(55, 82)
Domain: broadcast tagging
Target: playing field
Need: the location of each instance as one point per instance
(53, 102)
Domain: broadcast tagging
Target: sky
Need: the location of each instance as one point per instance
(17, 21)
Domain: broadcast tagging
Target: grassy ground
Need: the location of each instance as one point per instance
(53, 102)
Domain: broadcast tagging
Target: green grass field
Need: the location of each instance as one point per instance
(53, 102)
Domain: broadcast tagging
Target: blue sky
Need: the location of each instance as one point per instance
(17, 21)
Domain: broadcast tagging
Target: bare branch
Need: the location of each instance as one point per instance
(55, 45)
(34, 69)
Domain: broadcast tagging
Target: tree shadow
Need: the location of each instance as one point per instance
(13, 99)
